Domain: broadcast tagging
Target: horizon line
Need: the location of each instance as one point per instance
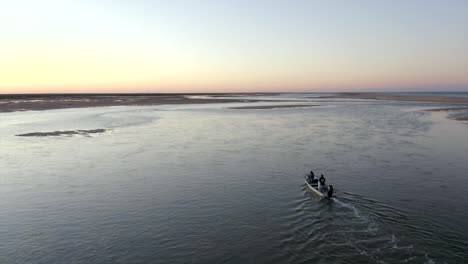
(220, 93)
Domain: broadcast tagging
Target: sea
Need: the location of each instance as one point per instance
(433, 94)
(205, 183)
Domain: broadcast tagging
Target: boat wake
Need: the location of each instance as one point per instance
(356, 212)
(363, 230)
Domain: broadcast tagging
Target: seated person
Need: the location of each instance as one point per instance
(310, 177)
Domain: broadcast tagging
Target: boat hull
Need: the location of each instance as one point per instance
(316, 191)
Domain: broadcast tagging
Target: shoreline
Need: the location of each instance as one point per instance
(39, 102)
(461, 108)
(405, 98)
(272, 106)
(462, 101)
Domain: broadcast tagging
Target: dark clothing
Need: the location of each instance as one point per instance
(330, 192)
(311, 177)
(322, 180)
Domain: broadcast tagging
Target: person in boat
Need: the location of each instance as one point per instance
(330, 191)
(322, 180)
(311, 177)
(323, 186)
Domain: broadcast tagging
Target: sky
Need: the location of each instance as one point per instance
(65, 46)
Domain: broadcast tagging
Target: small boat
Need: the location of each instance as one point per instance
(316, 188)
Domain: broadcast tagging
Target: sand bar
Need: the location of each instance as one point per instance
(25, 102)
(397, 97)
(12, 103)
(271, 106)
(462, 108)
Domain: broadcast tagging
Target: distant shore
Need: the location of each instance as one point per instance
(272, 106)
(462, 114)
(406, 98)
(24, 102)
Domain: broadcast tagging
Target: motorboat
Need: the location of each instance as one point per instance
(319, 189)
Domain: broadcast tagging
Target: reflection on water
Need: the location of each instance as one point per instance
(208, 184)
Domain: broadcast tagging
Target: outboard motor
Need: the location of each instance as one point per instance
(330, 191)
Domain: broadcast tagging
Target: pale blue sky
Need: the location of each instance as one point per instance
(144, 45)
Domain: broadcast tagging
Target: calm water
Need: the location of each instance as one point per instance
(445, 94)
(207, 184)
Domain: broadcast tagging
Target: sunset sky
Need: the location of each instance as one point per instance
(229, 46)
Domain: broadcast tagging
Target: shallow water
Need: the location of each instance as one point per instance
(208, 184)
(436, 94)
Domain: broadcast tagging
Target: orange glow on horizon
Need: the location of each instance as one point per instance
(45, 50)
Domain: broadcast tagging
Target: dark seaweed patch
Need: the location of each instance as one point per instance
(63, 133)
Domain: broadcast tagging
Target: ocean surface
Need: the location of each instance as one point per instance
(209, 184)
(436, 94)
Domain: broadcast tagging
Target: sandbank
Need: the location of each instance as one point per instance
(399, 97)
(24, 102)
(271, 106)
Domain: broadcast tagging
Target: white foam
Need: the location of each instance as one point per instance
(428, 259)
(351, 207)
